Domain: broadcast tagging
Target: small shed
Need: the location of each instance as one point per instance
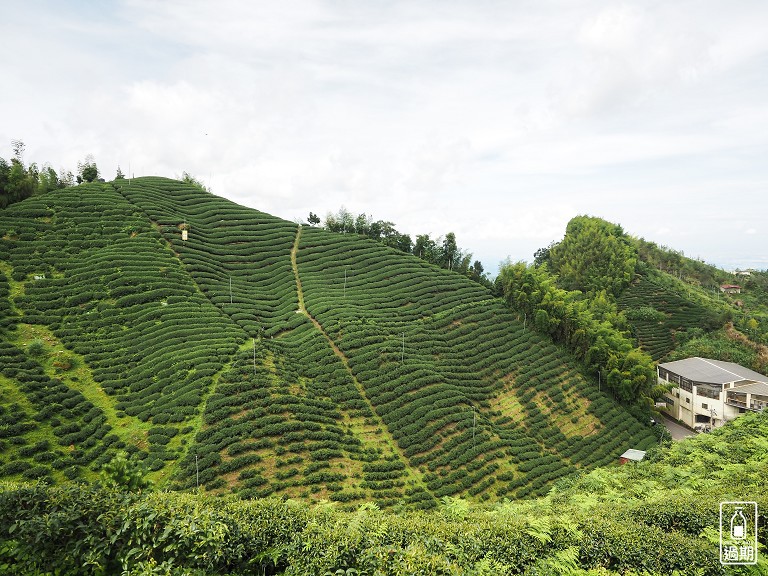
(631, 455)
(730, 288)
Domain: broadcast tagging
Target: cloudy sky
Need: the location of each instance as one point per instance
(497, 120)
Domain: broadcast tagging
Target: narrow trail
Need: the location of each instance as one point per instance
(168, 474)
(384, 431)
(197, 421)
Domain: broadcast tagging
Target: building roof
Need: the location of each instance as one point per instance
(715, 371)
(752, 388)
(633, 454)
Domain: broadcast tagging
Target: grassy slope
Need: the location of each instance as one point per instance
(403, 383)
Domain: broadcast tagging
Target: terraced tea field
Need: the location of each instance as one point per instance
(237, 351)
(657, 313)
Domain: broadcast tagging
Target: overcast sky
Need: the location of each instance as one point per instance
(497, 120)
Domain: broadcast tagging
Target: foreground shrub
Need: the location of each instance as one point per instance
(90, 529)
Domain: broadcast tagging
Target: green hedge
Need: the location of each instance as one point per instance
(80, 529)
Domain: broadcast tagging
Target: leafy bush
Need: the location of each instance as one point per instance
(36, 348)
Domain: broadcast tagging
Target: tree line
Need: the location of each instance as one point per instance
(592, 329)
(18, 181)
(442, 251)
(569, 293)
(594, 256)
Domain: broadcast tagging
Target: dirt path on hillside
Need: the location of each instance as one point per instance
(345, 362)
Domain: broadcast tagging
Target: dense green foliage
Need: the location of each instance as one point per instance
(692, 316)
(87, 171)
(18, 181)
(751, 313)
(443, 252)
(224, 348)
(124, 473)
(670, 306)
(152, 334)
(427, 358)
(676, 264)
(660, 312)
(594, 256)
(589, 328)
(7, 319)
(656, 517)
(722, 346)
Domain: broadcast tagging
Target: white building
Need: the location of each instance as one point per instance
(710, 392)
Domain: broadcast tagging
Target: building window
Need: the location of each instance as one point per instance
(677, 394)
(709, 390)
(704, 406)
(686, 385)
(687, 400)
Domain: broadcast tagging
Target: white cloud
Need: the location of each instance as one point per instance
(498, 121)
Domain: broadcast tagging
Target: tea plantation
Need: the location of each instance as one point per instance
(657, 313)
(657, 517)
(237, 352)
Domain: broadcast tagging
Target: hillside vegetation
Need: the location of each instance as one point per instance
(660, 516)
(622, 303)
(678, 310)
(261, 357)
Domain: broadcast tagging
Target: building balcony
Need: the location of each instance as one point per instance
(739, 404)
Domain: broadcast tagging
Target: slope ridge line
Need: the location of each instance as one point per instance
(345, 362)
(197, 421)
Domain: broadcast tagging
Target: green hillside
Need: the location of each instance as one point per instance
(677, 310)
(658, 312)
(669, 305)
(262, 357)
